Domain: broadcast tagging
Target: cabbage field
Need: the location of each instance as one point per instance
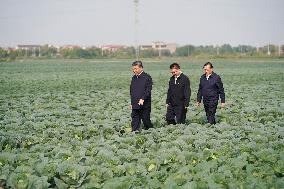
(66, 124)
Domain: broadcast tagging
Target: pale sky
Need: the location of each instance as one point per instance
(97, 22)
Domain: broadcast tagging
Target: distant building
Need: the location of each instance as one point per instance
(35, 49)
(9, 49)
(145, 47)
(28, 47)
(113, 48)
(172, 47)
(70, 47)
(161, 46)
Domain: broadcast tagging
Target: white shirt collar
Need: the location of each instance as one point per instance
(207, 76)
(139, 74)
(178, 75)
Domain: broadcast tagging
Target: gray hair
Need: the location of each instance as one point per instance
(137, 63)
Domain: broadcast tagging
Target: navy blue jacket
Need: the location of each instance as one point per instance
(211, 89)
(140, 88)
(179, 93)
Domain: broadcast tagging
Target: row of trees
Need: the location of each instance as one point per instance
(225, 50)
(228, 50)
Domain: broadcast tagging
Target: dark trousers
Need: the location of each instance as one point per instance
(137, 115)
(210, 106)
(176, 114)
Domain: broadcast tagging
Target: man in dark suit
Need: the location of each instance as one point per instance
(210, 88)
(140, 92)
(178, 96)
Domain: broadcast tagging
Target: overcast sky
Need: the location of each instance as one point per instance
(96, 22)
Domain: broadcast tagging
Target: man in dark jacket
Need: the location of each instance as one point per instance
(178, 96)
(140, 92)
(210, 88)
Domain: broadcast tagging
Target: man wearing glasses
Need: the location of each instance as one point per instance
(210, 88)
(178, 96)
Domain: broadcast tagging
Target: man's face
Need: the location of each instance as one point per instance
(137, 69)
(175, 72)
(207, 70)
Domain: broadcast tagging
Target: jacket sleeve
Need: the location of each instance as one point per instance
(187, 92)
(168, 94)
(199, 93)
(148, 88)
(220, 89)
(130, 87)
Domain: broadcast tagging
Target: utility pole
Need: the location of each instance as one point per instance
(217, 49)
(268, 51)
(160, 49)
(136, 22)
(188, 50)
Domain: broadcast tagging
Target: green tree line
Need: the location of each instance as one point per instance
(225, 50)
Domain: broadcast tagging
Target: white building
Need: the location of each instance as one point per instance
(161, 46)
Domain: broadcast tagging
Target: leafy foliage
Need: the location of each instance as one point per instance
(66, 125)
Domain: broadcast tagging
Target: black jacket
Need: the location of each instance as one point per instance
(140, 88)
(179, 93)
(211, 88)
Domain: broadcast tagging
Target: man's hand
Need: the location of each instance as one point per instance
(198, 104)
(222, 105)
(130, 107)
(141, 101)
(185, 109)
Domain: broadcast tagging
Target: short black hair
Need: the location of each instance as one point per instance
(137, 63)
(208, 63)
(174, 65)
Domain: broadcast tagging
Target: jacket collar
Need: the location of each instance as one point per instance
(180, 75)
(139, 75)
(212, 75)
